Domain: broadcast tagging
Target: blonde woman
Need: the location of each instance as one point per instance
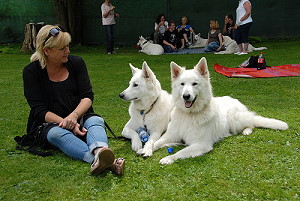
(186, 32)
(215, 39)
(58, 90)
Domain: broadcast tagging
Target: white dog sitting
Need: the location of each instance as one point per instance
(198, 41)
(150, 48)
(232, 47)
(150, 108)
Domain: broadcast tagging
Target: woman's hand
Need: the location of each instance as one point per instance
(162, 23)
(77, 131)
(70, 121)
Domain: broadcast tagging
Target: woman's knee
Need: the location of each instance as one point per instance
(94, 121)
(55, 133)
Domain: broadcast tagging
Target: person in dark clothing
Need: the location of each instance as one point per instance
(171, 38)
(229, 26)
(58, 90)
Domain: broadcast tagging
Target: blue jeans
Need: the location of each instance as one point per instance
(76, 148)
(109, 31)
(168, 49)
(212, 46)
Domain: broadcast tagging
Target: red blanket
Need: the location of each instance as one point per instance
(274, 71)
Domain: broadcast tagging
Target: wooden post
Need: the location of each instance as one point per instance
(31, 30)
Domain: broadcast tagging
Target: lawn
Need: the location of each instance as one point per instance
(262, 166)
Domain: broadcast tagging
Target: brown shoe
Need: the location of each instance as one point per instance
(104, 159)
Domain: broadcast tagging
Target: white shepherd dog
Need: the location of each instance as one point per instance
(200, 120)
(149, 48)
(150, 108)
(232, 47)
(198, 41)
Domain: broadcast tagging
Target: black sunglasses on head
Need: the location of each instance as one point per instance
(53, 32)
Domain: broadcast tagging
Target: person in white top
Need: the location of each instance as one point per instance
(243, 23)
(108, 21)
(160, 27)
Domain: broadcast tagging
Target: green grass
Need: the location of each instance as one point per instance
(262, 166)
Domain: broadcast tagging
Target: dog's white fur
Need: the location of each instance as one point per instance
(150, 48)
(232, 47)
(200, 120)
(146, 95)
(198, 41)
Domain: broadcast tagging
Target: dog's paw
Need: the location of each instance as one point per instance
(136, 145)
(147, 152)
(167, 160)
(247, 131)
(140, 152)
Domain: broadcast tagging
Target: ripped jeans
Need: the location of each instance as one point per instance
(76, 148)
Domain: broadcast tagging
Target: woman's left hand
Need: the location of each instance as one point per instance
(77, 130)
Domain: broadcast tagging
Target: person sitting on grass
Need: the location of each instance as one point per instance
(171, 39)
(186, 32)
(215, 39)
(58, 90)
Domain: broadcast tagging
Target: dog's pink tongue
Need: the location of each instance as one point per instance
(188, 104)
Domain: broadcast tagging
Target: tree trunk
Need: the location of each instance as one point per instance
(30, 33)
(68, 13)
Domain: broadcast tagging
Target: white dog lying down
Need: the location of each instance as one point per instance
(200, 120)
(198, 41)
(232, 47)
(150, 48)
(150, 107)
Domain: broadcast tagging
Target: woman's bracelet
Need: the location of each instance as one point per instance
(76, 113)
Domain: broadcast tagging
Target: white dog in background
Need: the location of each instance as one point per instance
(198, 41)
(232, 47)
(200, 120)
(149, 48)
(150, 108)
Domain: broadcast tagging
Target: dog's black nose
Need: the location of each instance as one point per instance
(186, 96)
(121, 95)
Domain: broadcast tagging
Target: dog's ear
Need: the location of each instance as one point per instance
(134, 70)
(202, 68)
(147, 72)
(175, 70)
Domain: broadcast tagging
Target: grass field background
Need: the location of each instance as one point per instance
(262, 166)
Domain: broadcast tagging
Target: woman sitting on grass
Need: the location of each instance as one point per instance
(58, 90)
(215, 39)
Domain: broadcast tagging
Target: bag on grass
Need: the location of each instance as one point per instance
(35, 139)
(252, 62)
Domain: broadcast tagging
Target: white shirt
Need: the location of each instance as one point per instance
(240, 12)
(161, 29)
(110, 19)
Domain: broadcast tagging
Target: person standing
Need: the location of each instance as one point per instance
(58, 90)
(243, 22)
(108, 21)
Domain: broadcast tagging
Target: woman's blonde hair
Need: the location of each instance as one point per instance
(186, 19)
(44, 41)
(214, 24)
